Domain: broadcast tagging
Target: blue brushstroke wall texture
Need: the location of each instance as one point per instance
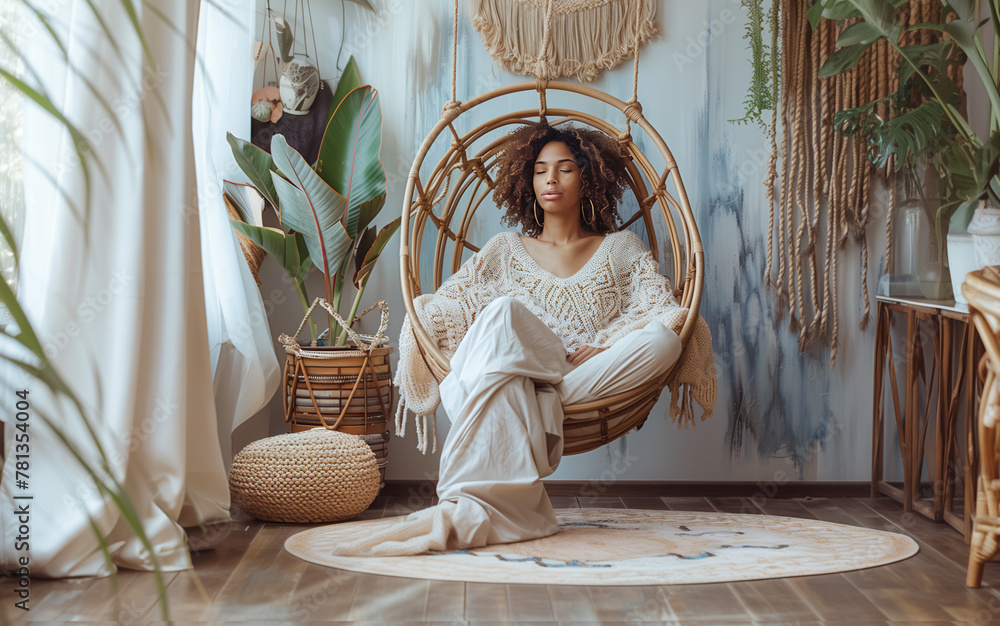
(781, 415)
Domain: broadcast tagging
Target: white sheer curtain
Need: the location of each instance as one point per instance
(145, 307)
(244, 366)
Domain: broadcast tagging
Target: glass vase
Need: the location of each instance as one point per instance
(920, 259)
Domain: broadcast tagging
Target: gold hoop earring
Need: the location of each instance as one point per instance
(534, 212)
(593, 213)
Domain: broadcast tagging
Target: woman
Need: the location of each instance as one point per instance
(567, 313)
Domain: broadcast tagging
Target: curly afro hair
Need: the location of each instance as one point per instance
(602, 171)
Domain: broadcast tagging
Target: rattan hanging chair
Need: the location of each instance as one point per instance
(435, 200)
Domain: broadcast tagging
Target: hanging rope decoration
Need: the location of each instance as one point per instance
(821, 164)
(595, 35)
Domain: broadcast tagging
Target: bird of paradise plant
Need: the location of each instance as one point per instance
(325, 211)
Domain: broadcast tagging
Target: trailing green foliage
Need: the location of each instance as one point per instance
(766, 63)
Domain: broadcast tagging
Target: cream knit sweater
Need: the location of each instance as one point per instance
(619, 290)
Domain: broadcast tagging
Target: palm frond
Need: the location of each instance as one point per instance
(134, 19)
(41, 17)
(80, 144)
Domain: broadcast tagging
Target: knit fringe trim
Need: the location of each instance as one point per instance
(682, 399)
(420, 423)
(588, 36)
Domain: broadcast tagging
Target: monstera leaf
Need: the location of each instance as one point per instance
(907, 135)
(881, 15)
(879, 21)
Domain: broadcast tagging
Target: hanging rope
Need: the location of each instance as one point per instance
(772, 163)
(454, 55)
(453, 107)
(633, 110)
(825, 178)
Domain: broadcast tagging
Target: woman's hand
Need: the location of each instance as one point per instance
(583, 354)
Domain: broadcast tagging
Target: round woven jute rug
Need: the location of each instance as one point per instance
(632, 547)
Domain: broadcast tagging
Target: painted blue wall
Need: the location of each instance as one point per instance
(794, 416)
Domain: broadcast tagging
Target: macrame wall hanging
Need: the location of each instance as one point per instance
(594, 35)
(824, 184)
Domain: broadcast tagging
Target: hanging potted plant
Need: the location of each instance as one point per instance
(341, 380)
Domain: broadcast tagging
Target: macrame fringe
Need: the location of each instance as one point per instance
(816, 176)
(593, 35)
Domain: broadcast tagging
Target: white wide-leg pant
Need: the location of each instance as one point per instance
(504, 397)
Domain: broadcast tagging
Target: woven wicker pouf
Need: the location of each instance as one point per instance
(380, 447)
(309, 477)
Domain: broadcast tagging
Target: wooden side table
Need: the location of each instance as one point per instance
(939, 331)
(954, 430)
(982, 288)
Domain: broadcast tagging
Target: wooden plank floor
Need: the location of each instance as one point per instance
(250, 579)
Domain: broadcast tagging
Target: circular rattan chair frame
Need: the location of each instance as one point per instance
(587, 425)
(982, 289)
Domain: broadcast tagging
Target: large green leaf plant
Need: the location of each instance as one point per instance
(931, 129)
(325, 209)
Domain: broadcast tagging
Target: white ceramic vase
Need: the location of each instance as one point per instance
(961, 261)
(299, 85)
(985, 231)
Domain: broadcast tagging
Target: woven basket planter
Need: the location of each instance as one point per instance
(309, 477)
(340, 388)
(343, 388)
